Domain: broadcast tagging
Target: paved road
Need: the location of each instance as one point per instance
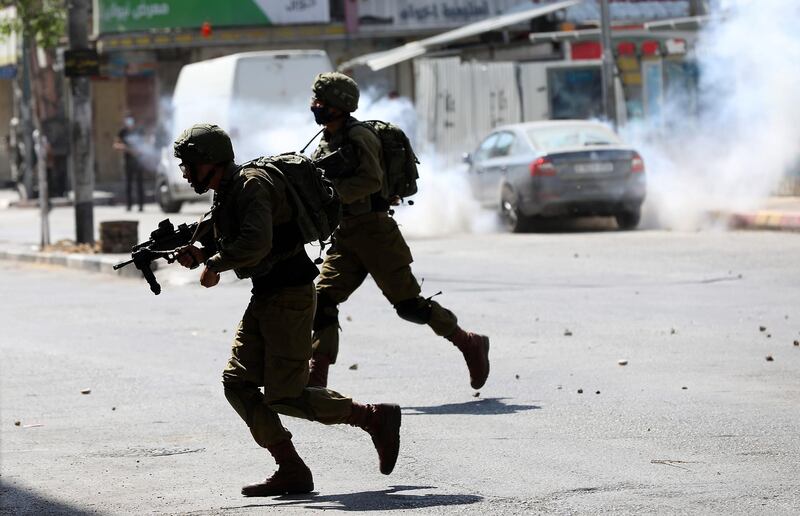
(697, 422)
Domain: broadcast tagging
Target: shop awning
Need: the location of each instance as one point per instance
(380, 60)
(687, 23)
(685, 28)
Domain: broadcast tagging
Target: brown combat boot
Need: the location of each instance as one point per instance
(292, 477)
(382, 422)
(475, 349)
(318, 370)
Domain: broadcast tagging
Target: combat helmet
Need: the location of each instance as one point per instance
(204, 143)
(336, 90)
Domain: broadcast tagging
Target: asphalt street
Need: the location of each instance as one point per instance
(699, 421)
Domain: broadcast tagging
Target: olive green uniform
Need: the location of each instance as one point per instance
(254, 235)
(367, 241)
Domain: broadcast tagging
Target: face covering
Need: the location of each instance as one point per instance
(322, 115)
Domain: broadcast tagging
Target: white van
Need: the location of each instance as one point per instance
(260, 98)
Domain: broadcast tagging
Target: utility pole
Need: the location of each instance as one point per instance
(80, 111)
(38, 142)
(609, 104)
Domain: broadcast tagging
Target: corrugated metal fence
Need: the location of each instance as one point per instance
(457, 103)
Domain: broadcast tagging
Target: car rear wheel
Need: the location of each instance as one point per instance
(510, 215)
(628, 219)
(165, 200)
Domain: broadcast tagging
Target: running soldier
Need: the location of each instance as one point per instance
(368, 240)
(255, 234)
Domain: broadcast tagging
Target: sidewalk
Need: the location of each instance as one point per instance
(19, 229)
(20, 226)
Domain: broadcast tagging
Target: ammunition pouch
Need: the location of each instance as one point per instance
(416, 310)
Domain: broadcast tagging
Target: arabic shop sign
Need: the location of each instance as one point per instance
(443, 12)
(143, 15)
(431, 13)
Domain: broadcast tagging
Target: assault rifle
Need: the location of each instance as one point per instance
(164, 243)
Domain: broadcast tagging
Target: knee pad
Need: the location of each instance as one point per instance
(416, 310)
(327, 312)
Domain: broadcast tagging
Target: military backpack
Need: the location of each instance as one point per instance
(399, 161)
(317, 205)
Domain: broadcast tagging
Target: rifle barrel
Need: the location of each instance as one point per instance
(122, 264)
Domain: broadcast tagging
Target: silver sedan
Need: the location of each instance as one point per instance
(557, 168)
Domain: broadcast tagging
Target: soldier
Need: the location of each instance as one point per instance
(255, 234)
(368, 240)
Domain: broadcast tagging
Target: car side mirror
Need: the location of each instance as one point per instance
(466, 158)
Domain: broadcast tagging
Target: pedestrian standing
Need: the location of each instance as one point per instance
(130, 141)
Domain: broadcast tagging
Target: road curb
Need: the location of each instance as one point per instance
(775, 220)
(84, 262)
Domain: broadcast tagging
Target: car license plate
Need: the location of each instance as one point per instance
(594, 167)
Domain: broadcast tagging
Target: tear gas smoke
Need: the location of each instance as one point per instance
(734, 152)
(444, 204)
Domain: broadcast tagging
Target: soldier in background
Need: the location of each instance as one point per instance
(255, 234)
(368, 240)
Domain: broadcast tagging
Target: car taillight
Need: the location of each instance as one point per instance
(637, 163)
(543, 167)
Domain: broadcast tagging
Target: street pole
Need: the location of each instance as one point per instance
(39, 144)
(609, 104)
(80, 107)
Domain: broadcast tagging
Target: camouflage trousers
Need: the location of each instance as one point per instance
(372, 244)
(271, 349)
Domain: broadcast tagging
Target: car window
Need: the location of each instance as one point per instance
(554, 138)
(598, 136)
(503, 145)
(521, 146)
(485, 148)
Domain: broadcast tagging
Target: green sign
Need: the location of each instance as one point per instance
(144, 15)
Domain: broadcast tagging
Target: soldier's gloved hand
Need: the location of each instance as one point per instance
(209, 278)
(190, 256)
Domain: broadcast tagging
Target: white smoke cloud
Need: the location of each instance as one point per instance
(444, 204)
(734, 153)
